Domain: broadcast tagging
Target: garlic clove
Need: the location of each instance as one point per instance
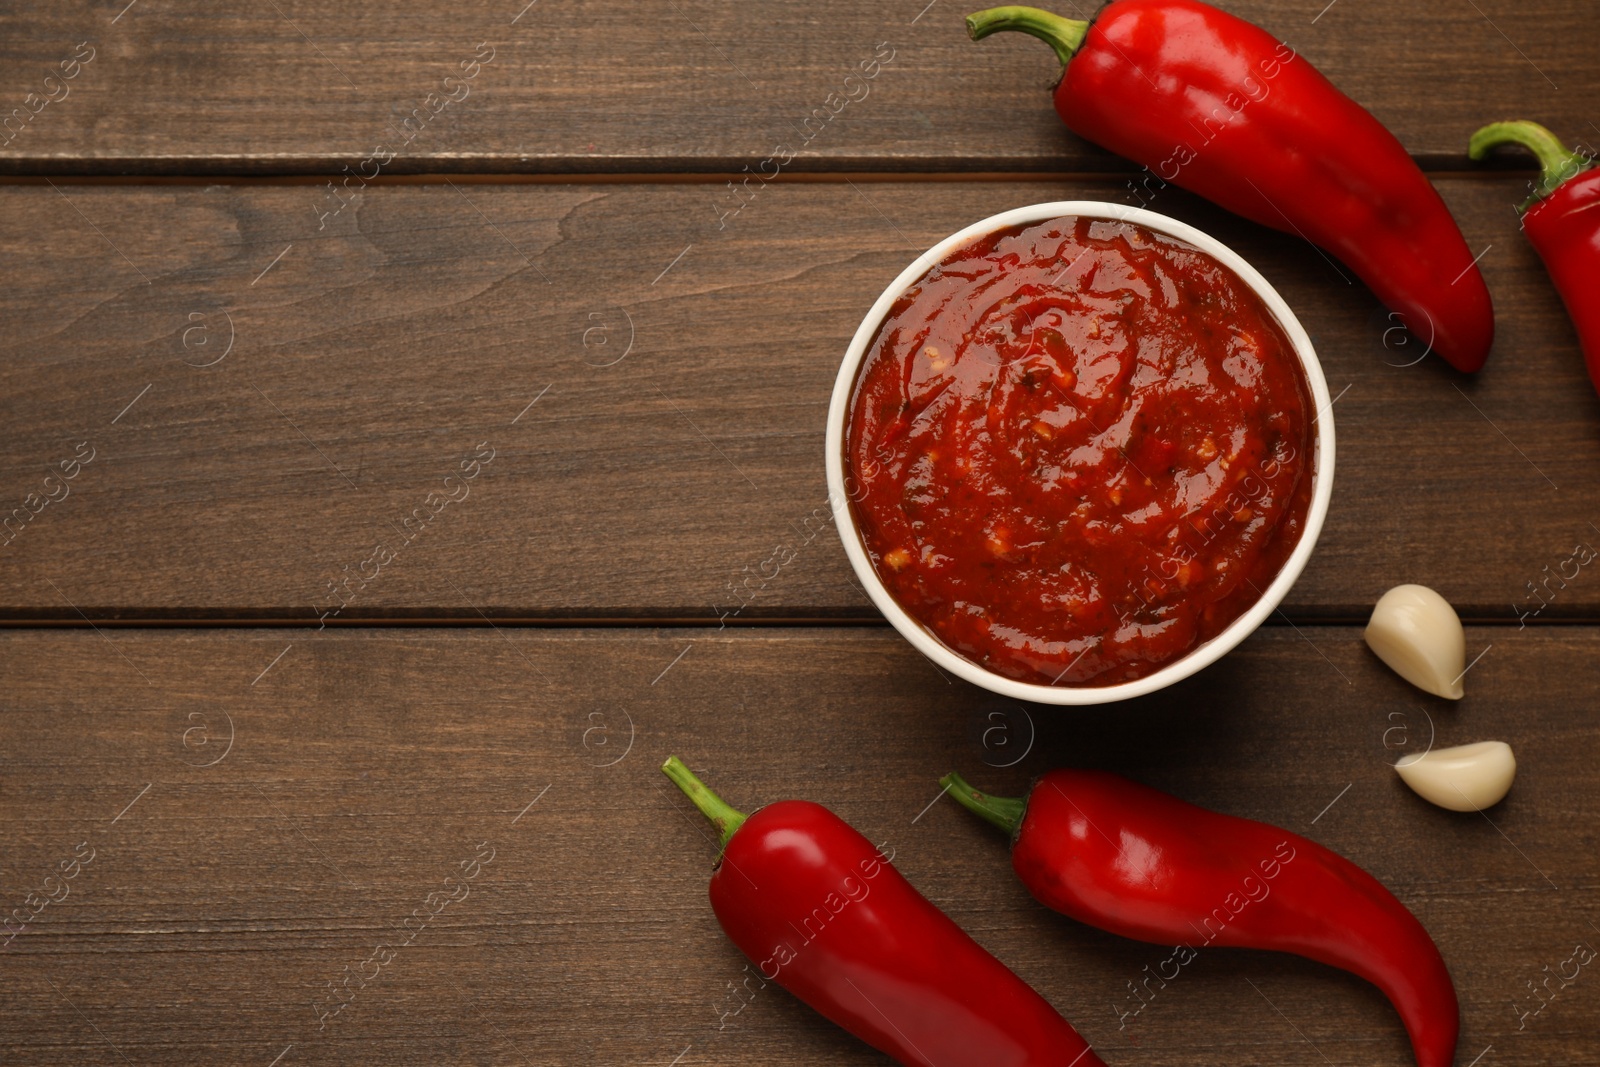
(1463, 778)
(1417, 633)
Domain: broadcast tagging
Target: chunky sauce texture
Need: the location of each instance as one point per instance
(1079, 449)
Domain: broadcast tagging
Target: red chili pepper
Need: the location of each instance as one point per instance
(1132, 860)
(1563, 222)
(1212, 103)
(821, 912)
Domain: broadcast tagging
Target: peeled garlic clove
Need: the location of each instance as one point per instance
(1463, 778)
(1416, 631)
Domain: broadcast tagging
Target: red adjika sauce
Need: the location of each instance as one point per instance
(1079, 449)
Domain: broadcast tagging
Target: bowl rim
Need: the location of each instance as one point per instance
(1202, 655)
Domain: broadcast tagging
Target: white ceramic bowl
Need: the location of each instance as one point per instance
(1202, 655)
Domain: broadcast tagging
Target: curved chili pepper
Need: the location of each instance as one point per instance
(1563, 222)
(821, 912)
(1214, 104)
(1140, 863)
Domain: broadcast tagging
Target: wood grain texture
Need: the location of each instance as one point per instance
(671, 85)
(256, 386)
(262, 817)
(267, 403)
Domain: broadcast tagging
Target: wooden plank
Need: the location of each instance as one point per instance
(669, 85)
(653, 389)
(264, 813)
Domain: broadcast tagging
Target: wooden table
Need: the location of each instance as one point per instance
(262, 293)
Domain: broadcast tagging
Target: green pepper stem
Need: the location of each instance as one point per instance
(1004, 812)
(724, 818)
(1557, 162)
(1063, 34)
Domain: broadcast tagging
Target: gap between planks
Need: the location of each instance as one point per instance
(646, 622)
(1495, 170)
